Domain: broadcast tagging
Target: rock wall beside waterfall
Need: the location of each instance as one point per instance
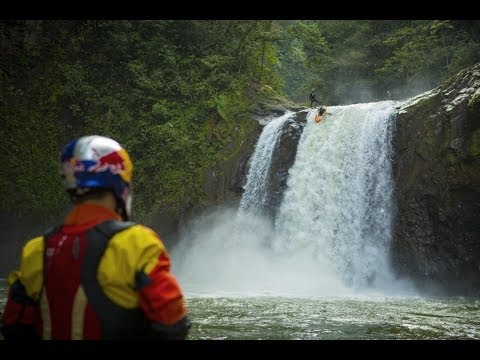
(437, 173)
(283, 155)
(223, 183)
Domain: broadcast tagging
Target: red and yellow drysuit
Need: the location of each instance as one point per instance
(95, 277)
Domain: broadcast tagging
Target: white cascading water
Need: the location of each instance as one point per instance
(332, 232)
(338, 203)
(253, 198)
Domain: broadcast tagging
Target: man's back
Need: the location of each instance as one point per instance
(98, 276)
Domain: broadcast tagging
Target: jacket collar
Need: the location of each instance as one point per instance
(91, 214)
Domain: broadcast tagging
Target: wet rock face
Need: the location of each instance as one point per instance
(437, 174)
(284, 154)
(224, 183)
(283, 157)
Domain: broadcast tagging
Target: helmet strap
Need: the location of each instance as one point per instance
(121, 210)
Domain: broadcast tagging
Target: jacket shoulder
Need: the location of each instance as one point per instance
(130, 251)
(140, 234)
(30, 273)
(138, 247)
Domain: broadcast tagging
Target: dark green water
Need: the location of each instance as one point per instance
(352, 318)
(334, 318)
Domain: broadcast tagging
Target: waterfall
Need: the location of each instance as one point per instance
(255, 194)
(338, 203)
(332, 232)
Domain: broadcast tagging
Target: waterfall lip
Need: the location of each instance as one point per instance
(405, 104)
(271, 117)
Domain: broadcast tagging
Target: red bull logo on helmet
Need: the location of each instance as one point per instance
(112, 162)
(117, 162)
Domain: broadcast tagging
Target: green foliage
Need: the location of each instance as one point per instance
(304, 58)
(172, 92)
(359, 60)
(30, 181)
(425, 53)
(176, 93)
